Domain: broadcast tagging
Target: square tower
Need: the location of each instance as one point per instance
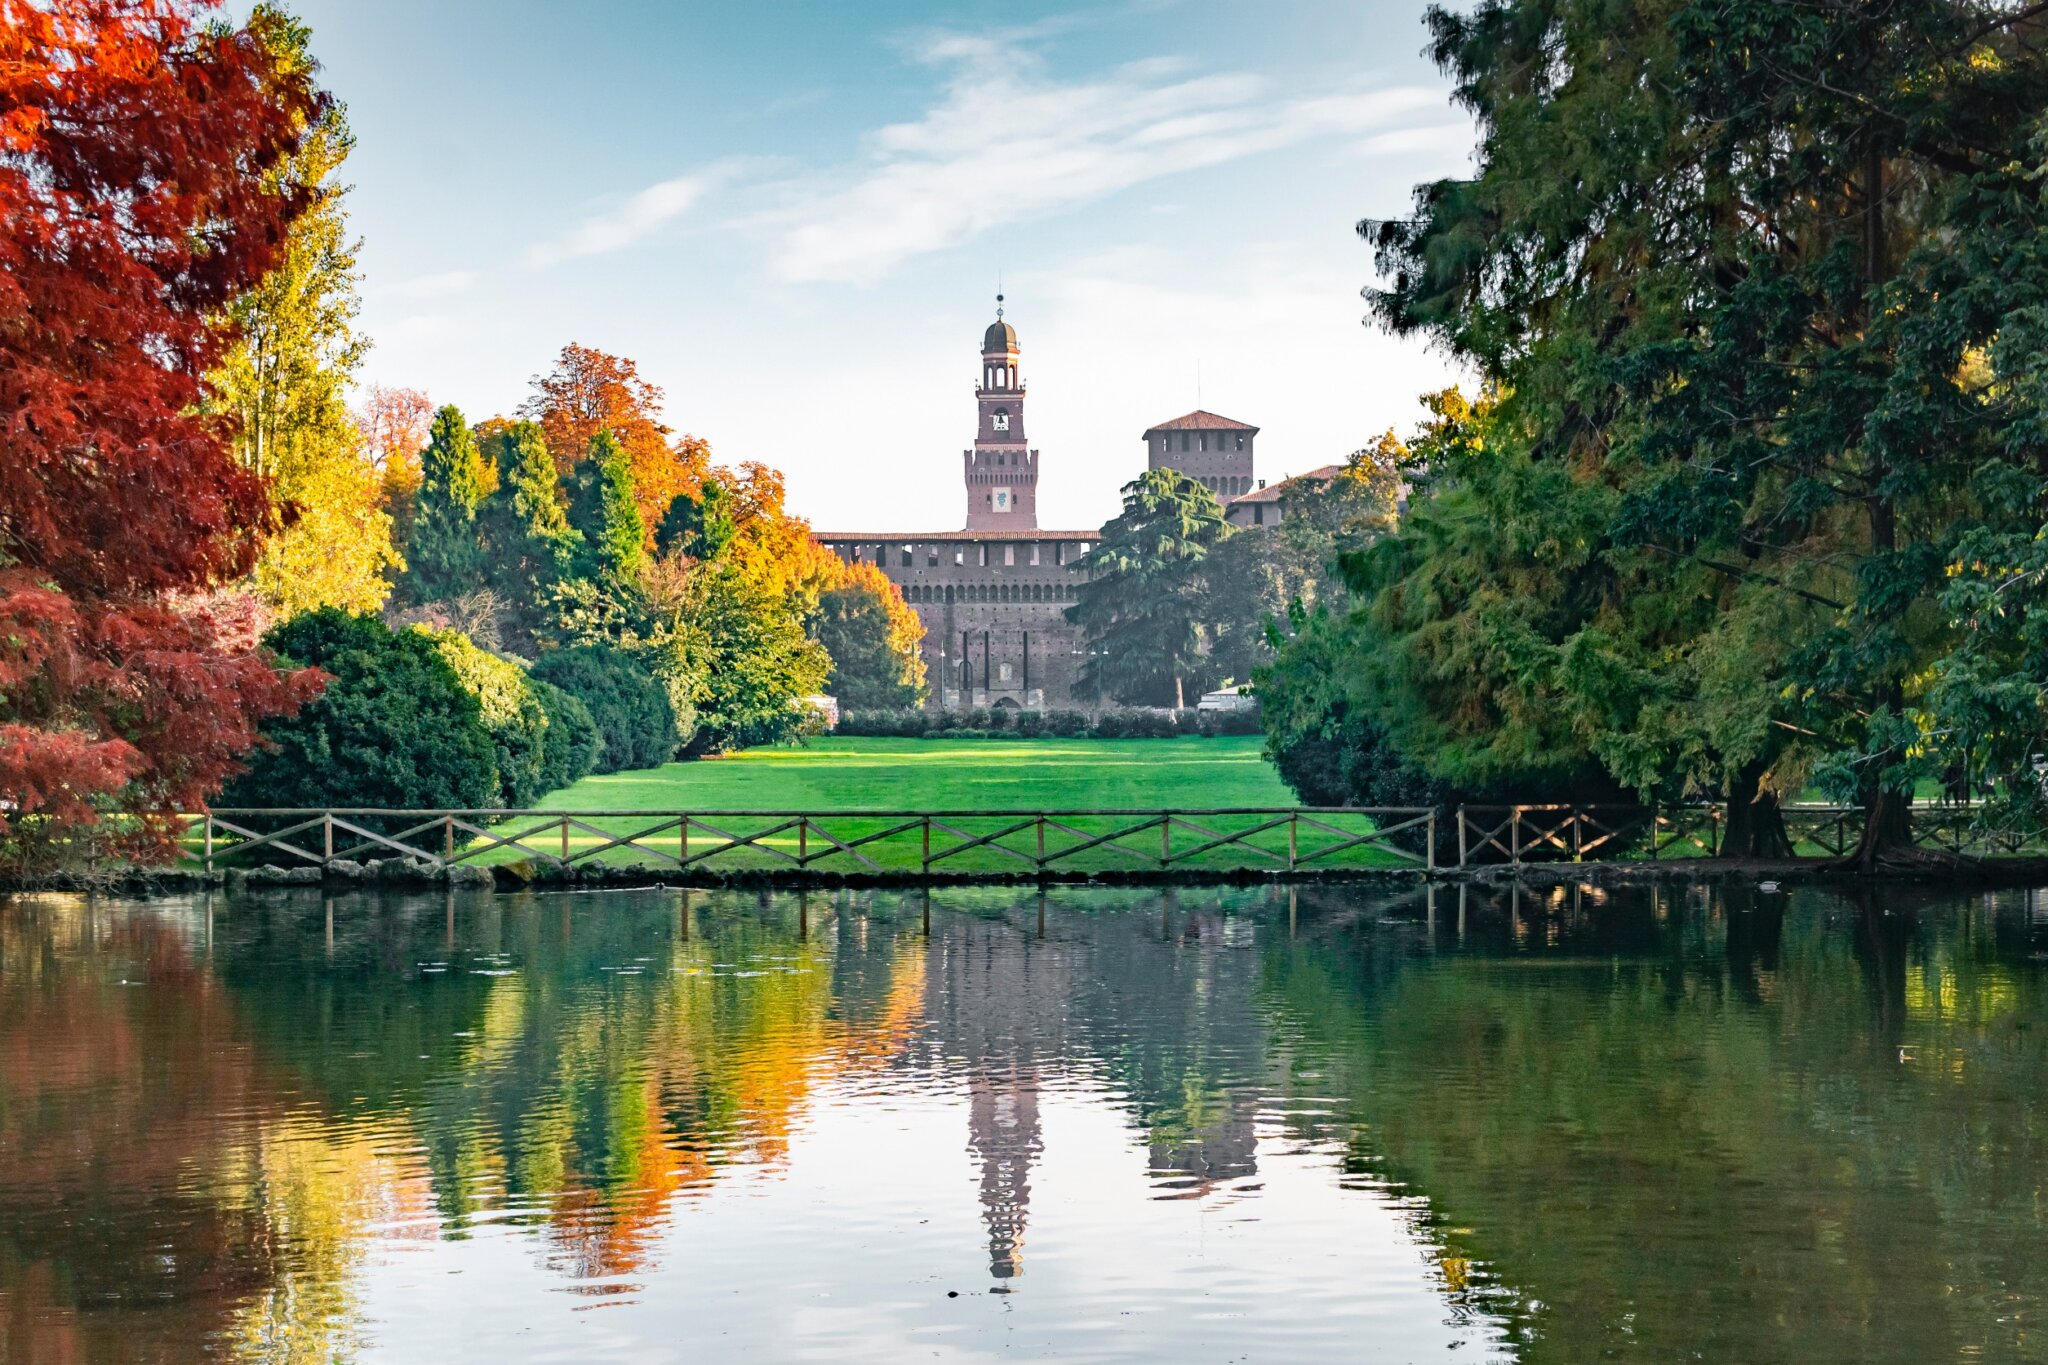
(1215, 452)
(1001, 469)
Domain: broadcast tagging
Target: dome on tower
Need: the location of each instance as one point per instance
(1001, 336)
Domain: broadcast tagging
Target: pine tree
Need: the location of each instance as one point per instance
(603, 510)
(445, 555)
(528, 542)
(1142, 604)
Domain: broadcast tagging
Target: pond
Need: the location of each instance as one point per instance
(1103, 1125)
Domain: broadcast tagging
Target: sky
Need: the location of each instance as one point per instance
(795, 215)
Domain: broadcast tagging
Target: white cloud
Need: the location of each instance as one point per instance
(1006, 142)
(433, 286)
(637, 217)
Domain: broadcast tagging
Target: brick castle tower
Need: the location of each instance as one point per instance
(1001, 470)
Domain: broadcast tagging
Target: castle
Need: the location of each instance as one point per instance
(993, 597)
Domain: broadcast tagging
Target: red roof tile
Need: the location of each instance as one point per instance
(1201, 421)
(923, 537)
(1272, 491)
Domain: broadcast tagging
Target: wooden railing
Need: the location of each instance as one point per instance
(944, 842)
(871, 841)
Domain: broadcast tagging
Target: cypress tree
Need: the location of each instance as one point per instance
(526, 533)
(603, 510)
(444, 554)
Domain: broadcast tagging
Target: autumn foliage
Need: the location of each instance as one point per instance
(588, 392)
(134, 207)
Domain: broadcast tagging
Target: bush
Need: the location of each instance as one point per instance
(1066, 724)
(513, 716)
(1030, 723)
(1242, 721)
(630, 707)
(887, 724)
(572, 743)
(395, 727)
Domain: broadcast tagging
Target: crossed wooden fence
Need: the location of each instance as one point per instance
(1040, 840)
(1043, 841)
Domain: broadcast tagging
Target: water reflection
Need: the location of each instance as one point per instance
(1116, 1125)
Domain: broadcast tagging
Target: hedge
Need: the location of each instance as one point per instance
(982, 723)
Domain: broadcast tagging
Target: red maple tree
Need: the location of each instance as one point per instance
(134, 205)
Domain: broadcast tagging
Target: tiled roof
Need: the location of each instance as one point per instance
(923, 537)
(1272, 491)
(1201, 421)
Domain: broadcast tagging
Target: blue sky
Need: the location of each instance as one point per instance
(794, 215)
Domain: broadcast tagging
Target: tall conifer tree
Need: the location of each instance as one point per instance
(445, 555)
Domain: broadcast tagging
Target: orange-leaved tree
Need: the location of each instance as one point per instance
(590, 391)
(135, 204)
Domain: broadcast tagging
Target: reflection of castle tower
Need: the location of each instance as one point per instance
(1001, 1006)
(1003, 1134)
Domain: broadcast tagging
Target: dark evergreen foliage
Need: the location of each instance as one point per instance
(629, 706)
(394, 728)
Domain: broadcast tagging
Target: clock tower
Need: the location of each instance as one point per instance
(1002, 471)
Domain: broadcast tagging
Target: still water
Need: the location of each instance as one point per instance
(1108, 1125)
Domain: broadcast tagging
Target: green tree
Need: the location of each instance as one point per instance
(286, 378)
(528, 542)
(512, 712)
(603, 510)
(446, 556)
(629, 705)
(573, 742)
(1729, 266)
(395, 728)
(741, 648)
(699, 527)
(1142, 602)
(873, 639)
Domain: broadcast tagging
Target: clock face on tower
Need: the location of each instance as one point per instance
(1002, 422)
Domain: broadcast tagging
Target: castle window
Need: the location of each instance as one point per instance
(1258, 514)
(1185, 441)
(907, 552)
(1202, 441)
(959, 557)
(1034, 553)
(1009, 556)
(1240, 442)
(1002, 422)
(931, 557)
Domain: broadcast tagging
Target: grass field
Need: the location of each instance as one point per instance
(843, 777)
(833, 774)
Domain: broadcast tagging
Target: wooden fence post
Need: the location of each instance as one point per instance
(1041, 868)
(1430, 862)
(209, 841)
(1293, 842)
(1463, 854)
(327, 837)
(684, 842)
(927, 867)
(1166, 839)
(1514, 836)
(803, 840)
(1578, 834)
(447, 837)
(565, 838)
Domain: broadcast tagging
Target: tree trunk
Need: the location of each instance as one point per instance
(1887, 827)
(1180, 698)
(1756, 823)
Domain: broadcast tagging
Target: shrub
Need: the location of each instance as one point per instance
(395, 727)
(1066, 724)
(572, 743)
(630, 707)
(513, 716)
(885, 724)
(1030, 723)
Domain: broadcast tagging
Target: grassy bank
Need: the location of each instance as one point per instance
(841, 777)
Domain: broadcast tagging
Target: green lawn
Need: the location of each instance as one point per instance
(833, 774)
(840, 778)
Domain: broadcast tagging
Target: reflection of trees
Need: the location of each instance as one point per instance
(568, 1065)
(1784, 1150)
(153, 1196)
